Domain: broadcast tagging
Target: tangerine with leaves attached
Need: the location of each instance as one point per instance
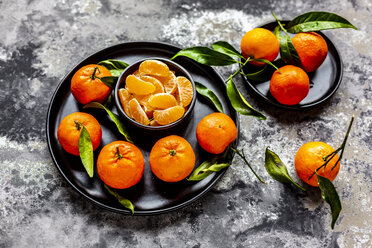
(215, 132)
(86, 84)
(70, 128)
(310, 157)
(259, 43)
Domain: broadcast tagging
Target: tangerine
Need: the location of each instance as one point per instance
(259, 43)
(311, 156)
(69, 130)
(311, 48)
(172, 158)
(120, 164)
(86, 85)
(215, 132)
(289, 86)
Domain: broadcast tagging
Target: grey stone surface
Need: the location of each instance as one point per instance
(42, 40)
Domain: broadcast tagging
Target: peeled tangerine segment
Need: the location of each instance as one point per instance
(125, 97)
(169, 82)
(153, 68)
(162, 101)
(185, 91)
(143, 100)
(137, 86)
(159, 88)
(167, 116)
(138, 114)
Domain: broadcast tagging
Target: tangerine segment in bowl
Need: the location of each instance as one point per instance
(162, 101)
(154, 68)
(138, 114)
(120, 164)
(172, 158)
(125, 97)
(138, 86)
(148, 91)
(185, 91)
(167, 116)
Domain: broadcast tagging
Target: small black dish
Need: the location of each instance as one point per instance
(324, 82)
(155, 130)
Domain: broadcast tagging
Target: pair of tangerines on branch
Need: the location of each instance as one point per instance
(120, 164)
(291, 84)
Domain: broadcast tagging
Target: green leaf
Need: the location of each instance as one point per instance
(206, 56)
(123, 201)
(317, 20)
(266, 62)
(209, 95)
(109, 81)
(114, 118)
(116, 67)
(329, 194)
(239, 103)
(288, 52)
(86, 151)
(277, 169)
(226, 48)
(205, 169)
(258, 76)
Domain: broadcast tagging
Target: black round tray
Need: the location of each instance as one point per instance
(324, 82)
(150, 196)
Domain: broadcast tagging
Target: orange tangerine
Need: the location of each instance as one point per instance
(162, 101)
(137, 113)
(125, 97)
(120, 164)
(185, 91)
(167, 116)
(172, 158)
(153, 68)
(159, 88)
(138, 86)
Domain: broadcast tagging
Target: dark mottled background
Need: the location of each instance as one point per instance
(42, 40)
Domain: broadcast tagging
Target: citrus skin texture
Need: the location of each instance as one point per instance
(85, 89)
(69, 131)
(120, 165)
(310, 157)
(289, 86)
(312, 49)
(259, 43)
(215, 132)
(172, 158)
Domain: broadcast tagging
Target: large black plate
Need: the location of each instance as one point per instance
(324, 81)
(150, 195)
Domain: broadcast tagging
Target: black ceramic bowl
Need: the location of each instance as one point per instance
(155, 130)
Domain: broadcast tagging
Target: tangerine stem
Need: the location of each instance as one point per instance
(93, 76)
(242, 155)
(117, 154)
(172, 152)
(332, 154)
(239, 70)
(280, 24)
(344, 142)
(78, 125)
